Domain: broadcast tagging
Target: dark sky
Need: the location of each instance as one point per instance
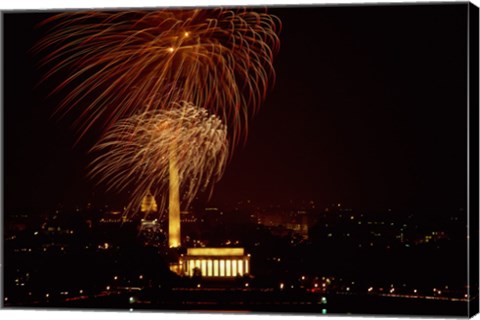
(369, 109)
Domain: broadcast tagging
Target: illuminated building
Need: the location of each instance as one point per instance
(148, 205)
(215, 262)
(212, 263)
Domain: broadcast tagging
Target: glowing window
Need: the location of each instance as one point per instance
(204, 267)
(215, 268)
(228, 268)
(234, 268)
(240, 267)
(191, 266)
(222, 268)
(209, 268)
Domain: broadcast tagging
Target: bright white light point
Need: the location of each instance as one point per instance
(187, 34)
(170, 49)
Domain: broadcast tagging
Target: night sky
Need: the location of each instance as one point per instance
(368, 109)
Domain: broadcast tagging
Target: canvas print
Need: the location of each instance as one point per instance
(285, 159)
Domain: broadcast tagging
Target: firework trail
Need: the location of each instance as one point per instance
(217, 59)
(179, 150)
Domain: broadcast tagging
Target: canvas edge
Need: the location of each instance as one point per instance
(473, 158)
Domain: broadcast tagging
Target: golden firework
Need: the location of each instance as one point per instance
(217, 59)
(179, 150)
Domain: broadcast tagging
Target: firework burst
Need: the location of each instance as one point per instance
(180, 150)
(217, 59)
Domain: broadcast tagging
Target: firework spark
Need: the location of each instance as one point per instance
(217, 59)
(182, 150)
